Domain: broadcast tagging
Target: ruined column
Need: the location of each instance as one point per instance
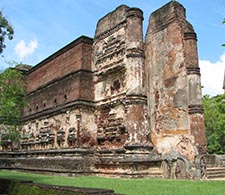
(135, 53)
(135, 96)
(173, 83)
(195, 109)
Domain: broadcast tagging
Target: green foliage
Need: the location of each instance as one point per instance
(6, 31)
(126, 186)
(12, 92)
(214, 108)
(12, 102)
(10, 136)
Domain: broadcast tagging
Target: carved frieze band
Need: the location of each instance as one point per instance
(195, 109)
(193, 70)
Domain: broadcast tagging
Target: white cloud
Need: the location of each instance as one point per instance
(212, 75)
(23, 49)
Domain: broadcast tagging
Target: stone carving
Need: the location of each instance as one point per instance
(110, 51)
(176, 166)
(71, 137)
(60, 137)
(201, 169)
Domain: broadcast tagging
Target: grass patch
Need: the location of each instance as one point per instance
(126, 186)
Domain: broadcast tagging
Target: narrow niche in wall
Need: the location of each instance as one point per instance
(55, 101)
(115, 87)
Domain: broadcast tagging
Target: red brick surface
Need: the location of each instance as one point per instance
(60, 64)
(62, 78)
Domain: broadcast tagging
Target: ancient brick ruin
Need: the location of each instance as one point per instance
(118, 104)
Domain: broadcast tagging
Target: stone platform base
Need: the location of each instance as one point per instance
(134, 161)
(131, 161)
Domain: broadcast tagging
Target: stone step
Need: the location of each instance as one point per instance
(215, 176)
(215, 172)
(215, 169)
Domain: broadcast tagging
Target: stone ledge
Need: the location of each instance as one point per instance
(84, 151)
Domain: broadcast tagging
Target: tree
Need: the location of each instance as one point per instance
(12, 102)
(6, 31)
(214, 108)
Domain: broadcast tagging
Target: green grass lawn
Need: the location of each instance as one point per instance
(127, 186)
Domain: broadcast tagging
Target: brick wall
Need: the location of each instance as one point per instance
(62, 78)
(73, 57)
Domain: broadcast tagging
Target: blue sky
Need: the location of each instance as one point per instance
(44, 26)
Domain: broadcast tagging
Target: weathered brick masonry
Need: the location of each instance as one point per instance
(118, 104)
(174, 89)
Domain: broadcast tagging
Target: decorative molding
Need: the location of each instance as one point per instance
(135, 99)
(195, 109)
(190, 36)
(193, 70)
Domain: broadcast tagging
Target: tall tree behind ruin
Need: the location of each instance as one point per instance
(6, 31)
(214, 110)
(12, 102)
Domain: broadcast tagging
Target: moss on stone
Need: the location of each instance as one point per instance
(18, 188)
